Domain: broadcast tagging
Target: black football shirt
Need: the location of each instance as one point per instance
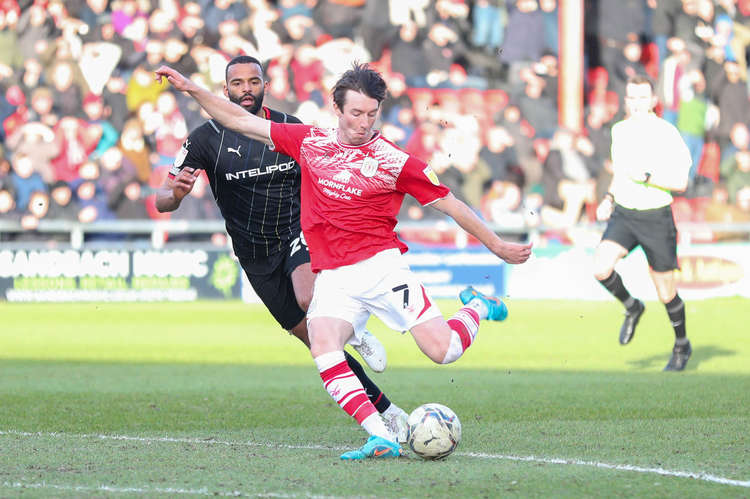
(257, 189)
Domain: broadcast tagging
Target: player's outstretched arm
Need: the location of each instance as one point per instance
(225, 112)
(471, 223)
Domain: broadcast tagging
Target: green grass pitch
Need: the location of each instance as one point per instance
(212, 398)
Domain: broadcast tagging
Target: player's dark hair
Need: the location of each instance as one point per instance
(242, 59)
(640, 79)
(363, 79)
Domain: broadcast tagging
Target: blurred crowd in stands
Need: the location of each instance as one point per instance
(87, 133)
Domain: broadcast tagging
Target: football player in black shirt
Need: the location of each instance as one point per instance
(257, 191)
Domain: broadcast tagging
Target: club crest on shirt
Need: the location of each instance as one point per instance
(181, 154)
(369, 167)
(431, 175)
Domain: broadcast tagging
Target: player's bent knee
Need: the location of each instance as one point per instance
(439, 352)
(454, 351)
(607, 254)
(603, 266)
(449, 358)
(433, 339)
(304, 302)
(433, 350)
(300, 331)
(320, 346)
(328, 334)
(439, 358)
(602, 274)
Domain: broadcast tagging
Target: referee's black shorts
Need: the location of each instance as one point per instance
(654, 230)
(271, 278)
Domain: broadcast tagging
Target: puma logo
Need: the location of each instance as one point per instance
(237, 151)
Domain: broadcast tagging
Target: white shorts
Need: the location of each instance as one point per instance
(382, 285)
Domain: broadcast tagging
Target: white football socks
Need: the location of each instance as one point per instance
(392, 410)
(479, 307)
(344, 387)
(374, 425)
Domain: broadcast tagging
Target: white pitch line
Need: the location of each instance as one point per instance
(699, 475)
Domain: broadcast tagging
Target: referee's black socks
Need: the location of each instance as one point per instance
(676, 312)
(614, 285)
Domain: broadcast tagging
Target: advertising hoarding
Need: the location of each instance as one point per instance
(117, 275)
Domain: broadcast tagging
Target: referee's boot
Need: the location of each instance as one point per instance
(680, 356)
(632, 316)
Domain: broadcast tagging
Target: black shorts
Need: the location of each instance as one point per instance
(654, 230)
(271, 278)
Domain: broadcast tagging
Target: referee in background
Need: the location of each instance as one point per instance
(258, 192)
(650, 160)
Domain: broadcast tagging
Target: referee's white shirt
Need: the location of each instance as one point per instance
(646, 144)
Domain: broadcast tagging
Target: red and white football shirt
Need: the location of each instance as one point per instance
(352, 194)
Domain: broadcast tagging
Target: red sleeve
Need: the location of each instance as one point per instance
(418, 180)
(287, 138)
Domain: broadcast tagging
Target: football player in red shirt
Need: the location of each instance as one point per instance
(353, 183)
